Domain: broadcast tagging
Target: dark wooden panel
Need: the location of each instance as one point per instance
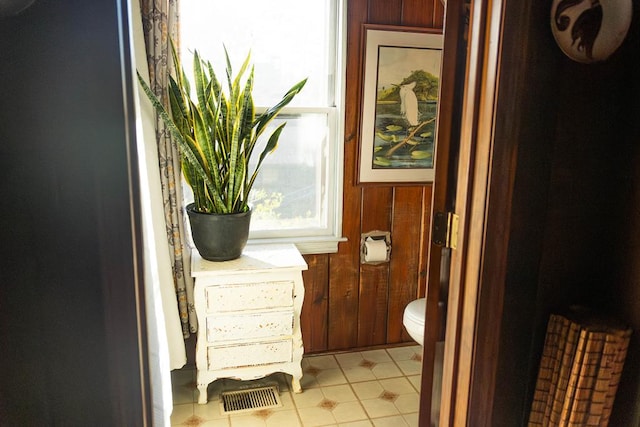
(344, 265)
(358, 295)
(625, 290)
(314, 316)
(385, 12)
(372, 310)
(418, 13)
(374, 279)
(438, 14)
(403, 278)
(425, 234)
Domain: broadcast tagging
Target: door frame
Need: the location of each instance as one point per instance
(483, 195)
(443, 195)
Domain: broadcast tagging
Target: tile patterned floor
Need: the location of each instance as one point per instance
(368, 388)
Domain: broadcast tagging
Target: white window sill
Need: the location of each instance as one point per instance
(306, 245)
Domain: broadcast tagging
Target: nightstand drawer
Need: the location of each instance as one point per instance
(249, 326)
(249, 296)
(237, 356)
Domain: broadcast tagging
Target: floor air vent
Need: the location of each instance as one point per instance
(249, 400)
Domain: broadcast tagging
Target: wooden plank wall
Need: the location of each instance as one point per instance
(349, 305)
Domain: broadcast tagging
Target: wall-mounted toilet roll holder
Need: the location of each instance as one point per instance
(373, 239)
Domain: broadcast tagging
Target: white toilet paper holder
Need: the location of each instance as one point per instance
(375, 235)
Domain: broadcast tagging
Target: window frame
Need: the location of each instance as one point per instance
(323, 240)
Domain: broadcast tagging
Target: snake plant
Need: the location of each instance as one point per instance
(217, 133)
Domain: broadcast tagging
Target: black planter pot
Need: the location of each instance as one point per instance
(219, 237)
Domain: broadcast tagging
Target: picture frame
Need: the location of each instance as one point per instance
(400, 94)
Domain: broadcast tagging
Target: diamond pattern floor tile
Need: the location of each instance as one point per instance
(352, 389)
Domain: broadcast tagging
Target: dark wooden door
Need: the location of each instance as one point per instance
(72, 334)
(443, 197)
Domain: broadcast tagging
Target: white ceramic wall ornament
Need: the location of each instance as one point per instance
(590, 30)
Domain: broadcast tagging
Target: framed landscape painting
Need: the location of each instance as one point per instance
(401, 81)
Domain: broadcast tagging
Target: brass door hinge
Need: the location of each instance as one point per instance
(444, 231)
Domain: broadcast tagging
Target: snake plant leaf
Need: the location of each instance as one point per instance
(203, 145)
(249, 112)
(179, 110)
(247, 117)
(202, 82)
(234, 152)
(229, 67)
(233, 139)
(216, 131)
(272, 112)
(185, 148)
(197, 184)
(272, 144)
(221, 102)
(240, 74)
(181, 78)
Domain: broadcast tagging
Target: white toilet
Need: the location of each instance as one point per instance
(413, 319)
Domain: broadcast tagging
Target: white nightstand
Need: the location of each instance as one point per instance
(248, 313)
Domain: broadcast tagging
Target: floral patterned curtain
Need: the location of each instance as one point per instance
(160, 23)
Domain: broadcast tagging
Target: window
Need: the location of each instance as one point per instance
(298, 194)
